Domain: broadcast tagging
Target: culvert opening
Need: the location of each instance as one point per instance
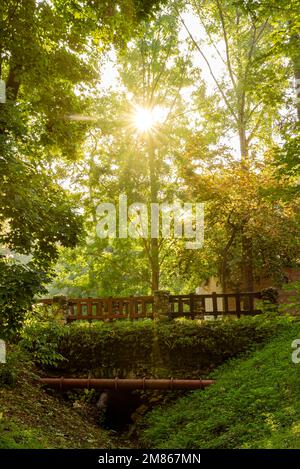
(116, 409)
(122, 410)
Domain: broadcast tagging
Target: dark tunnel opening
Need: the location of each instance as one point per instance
(115, 408)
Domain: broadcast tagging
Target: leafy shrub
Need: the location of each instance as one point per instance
(16, 360)
(18, 286)
(8, 370)
(43, 341)
(178, 348)
(292, 303)
(7, 376)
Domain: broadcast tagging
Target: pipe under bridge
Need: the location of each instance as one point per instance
(120, 384)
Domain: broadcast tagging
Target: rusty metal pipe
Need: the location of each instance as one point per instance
(125, 384)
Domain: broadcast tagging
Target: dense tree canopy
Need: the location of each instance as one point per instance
(48, 51)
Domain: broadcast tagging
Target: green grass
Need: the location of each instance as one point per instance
(254, 404)
(14, 437)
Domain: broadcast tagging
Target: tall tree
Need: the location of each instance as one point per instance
(284, 20)
(162, 70)
(125, 157)
(250, 84)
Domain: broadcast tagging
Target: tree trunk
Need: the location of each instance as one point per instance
(247, 245)
(297, 81)
(154, 265)
(154, 247)
(295, 59)
(247, 259)
(243, 144)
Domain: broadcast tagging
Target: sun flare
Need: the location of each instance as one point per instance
(145, 119)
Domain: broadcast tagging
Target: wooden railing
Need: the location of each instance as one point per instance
(135, 307)
(108, 308)
(215, 304)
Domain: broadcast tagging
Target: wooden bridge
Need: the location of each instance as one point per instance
(137, 307)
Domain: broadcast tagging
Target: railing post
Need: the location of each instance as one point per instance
(90, 308)
(225, 304)
(238, 304)
(110, 308)
(61, 308)
(131, 307)
(215, 304)
(192, 306)
(251, 303)
(161, 305)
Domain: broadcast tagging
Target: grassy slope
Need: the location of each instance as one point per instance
(254, 404)
(31, 418)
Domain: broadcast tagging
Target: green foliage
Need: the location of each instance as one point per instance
(12, 436)
(254, 404)
(49, 57)
(16, 360)
(287, 163)
(271, 225)
(153, 72)
(179, 348)
(40, 215)
(42, 339)
(292, 303)
(268, 303)
(102, 268)
(7, 376)
(18, 286)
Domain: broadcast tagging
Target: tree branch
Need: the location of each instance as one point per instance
(226, 44)
(210, 69)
